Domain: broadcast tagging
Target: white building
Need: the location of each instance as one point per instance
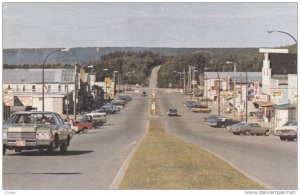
(26, 87)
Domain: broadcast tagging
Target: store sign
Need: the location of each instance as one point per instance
(270, 50)
(8, 97)
(262, 98)
(256, 88)
(26, 100)
(107, 81)
(276, 93)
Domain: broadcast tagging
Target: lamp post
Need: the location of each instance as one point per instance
(43, 74)
(114, 78)
(218, 94)
(234, 83)
(206, 91)
(279, 31)
(104, 70)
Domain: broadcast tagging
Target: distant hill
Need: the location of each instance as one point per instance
(91, 54)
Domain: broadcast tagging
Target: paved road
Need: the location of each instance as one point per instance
(92, 161)
(264, 158)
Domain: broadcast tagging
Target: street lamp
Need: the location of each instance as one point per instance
(218, 94)
(43, 74)
(234, 80)
(206, 91)
(279, 31)
(104, 70)
(114, 78)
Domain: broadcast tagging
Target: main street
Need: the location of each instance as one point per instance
(92, 161)
(265, 159)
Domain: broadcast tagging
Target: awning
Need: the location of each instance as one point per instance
(284, 106)
(266, 104)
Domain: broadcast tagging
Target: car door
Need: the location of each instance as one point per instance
(63, 130)
(255, 128)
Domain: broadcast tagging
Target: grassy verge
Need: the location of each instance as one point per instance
(156, 111)
(165, 162)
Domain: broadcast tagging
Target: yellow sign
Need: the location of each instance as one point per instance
(107, 81)
(82, 74)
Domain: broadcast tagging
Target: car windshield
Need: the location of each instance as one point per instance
(240, 124)
(290, 123)
(31, 119)
(172, 110)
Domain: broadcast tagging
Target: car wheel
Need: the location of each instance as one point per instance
(63, 148)
(100, 123)
(84, 130)
(267, 133)
(234, 133)
(290, 139)
(51, 149)
(4, 150)
(247, 132)
(282, 138)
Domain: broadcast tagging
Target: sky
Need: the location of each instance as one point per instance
(196, 25)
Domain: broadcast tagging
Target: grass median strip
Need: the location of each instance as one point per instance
(163, 161)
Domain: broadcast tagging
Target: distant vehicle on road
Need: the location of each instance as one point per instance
(83, 124)
(288, 131)
(223, 122)
(144, 93)
(249, 129)
(172, 112)
(31, 130)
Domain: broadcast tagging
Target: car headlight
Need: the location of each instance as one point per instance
(4, 135)
(44, 134)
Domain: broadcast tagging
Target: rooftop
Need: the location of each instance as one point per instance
(239, 76)
(35, 75)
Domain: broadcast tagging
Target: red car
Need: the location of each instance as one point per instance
(83, 124)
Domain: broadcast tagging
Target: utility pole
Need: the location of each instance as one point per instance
(218, 94)
(246, 96)
(241, 98)
(234, 89)
(184, 90)
(75, 91)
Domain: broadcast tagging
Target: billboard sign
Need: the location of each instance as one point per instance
(8, 97)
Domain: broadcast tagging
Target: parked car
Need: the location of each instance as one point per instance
(110, 109)
(249, 129)
(126, 98)
(83, 124)
(224, 122)
(29, 130)
(144, 93)
(212, 118)
(98, 119)
(190, 104)
(235, 126)
(201, 110)
(172, 112)
(288, 131)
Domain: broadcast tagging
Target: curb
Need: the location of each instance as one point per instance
(122, 171)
